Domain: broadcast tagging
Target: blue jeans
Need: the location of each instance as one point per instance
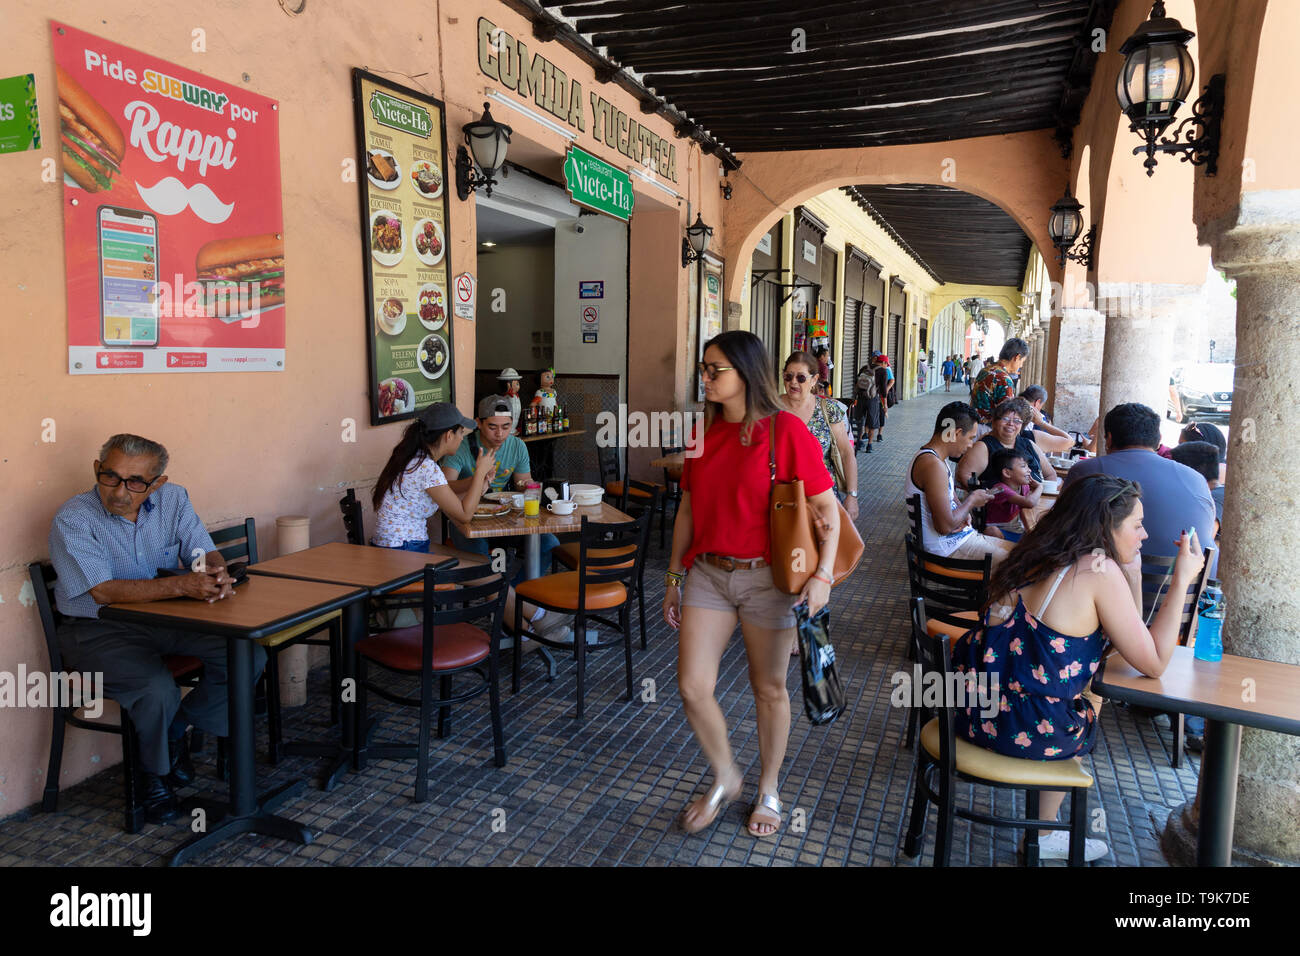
(421, 546)
(484, 546)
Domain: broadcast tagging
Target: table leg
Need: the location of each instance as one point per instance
(245, 812)
(339, 752)
(533, 569)
(1218, 793)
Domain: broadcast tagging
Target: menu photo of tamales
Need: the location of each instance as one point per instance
(402, 151)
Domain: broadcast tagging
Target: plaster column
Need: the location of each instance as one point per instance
(1259, 246)
(1138, 350)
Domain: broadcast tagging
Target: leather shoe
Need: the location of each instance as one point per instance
(160, 804)
(182, 770)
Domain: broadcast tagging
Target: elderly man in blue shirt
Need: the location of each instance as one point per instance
(107, 546)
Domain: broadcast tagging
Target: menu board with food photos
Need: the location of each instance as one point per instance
(402, 149)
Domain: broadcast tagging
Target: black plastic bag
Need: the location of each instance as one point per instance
(823, 697)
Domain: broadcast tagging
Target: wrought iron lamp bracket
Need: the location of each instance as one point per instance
(1202, 130)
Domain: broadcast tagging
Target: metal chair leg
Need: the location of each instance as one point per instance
(1176, 724)
(914, 842)
(444, 712)
(625, 618)
(580, 654)
(494, 708)
(1031, 833)
(422, 750)
(1078, 821)
(50, 800)
(134, 811)
(943, 832)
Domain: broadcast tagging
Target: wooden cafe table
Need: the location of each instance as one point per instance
(1213, 690)
(377, 571)
(260, 607)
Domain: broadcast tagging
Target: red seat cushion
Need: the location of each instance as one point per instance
(454, 645)
(182, 665)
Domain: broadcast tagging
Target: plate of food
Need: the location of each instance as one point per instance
(390, 316)
(396, 397)
(426, 179)
(500, 497)
(429, 242)
(382, 169)
(386, 237)
(433, 306)
(491, 509)
(433, 356)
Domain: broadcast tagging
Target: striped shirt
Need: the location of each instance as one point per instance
(89, 546)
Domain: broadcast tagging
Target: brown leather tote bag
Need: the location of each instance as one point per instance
(796, 532)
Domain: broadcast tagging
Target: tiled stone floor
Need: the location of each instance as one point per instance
(606, 791)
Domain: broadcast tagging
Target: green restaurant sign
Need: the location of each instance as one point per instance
(597, 185)
(400, 115)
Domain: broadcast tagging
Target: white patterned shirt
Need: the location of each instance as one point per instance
(406, 508)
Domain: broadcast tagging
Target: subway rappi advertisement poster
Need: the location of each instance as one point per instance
(173, 228)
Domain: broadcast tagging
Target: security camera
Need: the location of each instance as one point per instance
(579, 228)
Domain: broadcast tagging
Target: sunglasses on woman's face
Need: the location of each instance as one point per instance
(799, 377)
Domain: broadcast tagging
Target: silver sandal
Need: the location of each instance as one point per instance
(713, 802)
(770, 803)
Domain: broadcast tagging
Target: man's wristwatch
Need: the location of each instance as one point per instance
(853, 494)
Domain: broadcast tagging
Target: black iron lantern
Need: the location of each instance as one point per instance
(1155, 80)
(1064, 226)
(696, 241)
(489, 141)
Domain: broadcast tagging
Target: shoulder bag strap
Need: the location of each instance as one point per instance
(771, 447)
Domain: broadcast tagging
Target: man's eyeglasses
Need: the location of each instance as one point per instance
(711, 370)
(799, 377)
(111, 479)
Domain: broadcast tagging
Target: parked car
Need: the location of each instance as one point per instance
(1201, 391)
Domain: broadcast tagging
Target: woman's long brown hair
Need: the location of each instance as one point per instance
(748, 356)
(1081, 523)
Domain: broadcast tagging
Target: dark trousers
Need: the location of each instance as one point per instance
(130, 657)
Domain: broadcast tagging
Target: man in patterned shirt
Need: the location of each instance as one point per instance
(995, 383)
(107, 546)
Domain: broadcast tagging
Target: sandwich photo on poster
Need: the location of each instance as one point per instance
(173, 225)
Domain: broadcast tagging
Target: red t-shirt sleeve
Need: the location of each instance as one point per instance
(799, 455)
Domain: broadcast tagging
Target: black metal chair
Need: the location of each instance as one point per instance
(940, 754)
(184, 669)
(1157, 572)
(240, 541)
(672, 490)
(566, 555)
(461, 633)
(610, 559)
(955, 590)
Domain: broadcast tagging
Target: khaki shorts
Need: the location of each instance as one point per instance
(976, 545)
(747, 591)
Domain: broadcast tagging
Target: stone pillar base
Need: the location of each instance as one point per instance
(1178, 842)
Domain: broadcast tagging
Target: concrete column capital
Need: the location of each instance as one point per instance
(1263, 232)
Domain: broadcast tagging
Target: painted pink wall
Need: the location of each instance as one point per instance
(248, 444)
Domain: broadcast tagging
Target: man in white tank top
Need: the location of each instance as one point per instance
(945, 524)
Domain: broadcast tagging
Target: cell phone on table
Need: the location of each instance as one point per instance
(128, 277)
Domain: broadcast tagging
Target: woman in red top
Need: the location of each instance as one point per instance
(721, 536)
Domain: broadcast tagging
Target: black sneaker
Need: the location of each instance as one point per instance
(869, 448)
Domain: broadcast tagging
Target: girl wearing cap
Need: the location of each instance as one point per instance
(412, 487)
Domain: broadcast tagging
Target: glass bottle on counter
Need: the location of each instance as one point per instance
(530, 422)
(543, 426)
(564, 419)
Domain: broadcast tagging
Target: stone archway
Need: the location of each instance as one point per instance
(1018, 172)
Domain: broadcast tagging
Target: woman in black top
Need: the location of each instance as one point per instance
(1008, 432)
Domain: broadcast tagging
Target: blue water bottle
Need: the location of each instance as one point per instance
(1209, 629)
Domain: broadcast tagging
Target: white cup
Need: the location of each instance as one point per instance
(561, 507)
(517, 502)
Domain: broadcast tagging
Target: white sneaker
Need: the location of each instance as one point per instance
(1056, 846)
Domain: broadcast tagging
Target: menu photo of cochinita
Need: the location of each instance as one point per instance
(93, 144)
(241, 276)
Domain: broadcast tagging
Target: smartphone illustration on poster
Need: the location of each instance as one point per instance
(128, 277)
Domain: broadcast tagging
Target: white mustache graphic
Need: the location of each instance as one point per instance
(170, 196)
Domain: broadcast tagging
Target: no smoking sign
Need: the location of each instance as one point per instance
(463, 296)
(590, 323)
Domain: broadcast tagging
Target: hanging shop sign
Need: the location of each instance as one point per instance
(809, 252)
(173, 228)
(507, 61)
(710, 317)
(594, 183)
(20, 125)
(402, 145)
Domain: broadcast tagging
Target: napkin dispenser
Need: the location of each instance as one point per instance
(560, 489)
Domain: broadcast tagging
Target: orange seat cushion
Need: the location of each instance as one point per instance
(561, 591)
(182, 665)
(567, 554)
(950, 573)
(936, 628)
(418, 588)
(615, 488)
(454, 645)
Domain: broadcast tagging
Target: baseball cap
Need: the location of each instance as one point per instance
(443, 415)
(493, 405)
(509, 375)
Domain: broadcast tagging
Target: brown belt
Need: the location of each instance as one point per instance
(732, 564)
